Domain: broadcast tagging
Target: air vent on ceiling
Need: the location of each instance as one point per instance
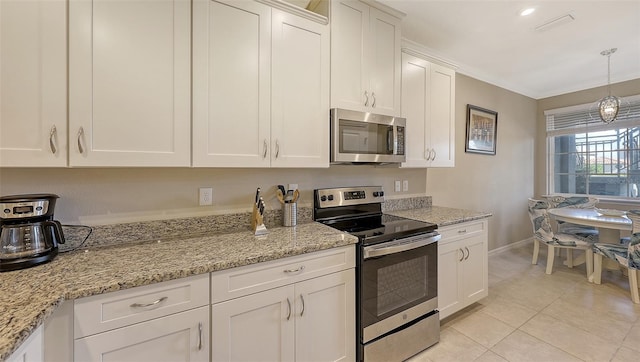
(564, 19)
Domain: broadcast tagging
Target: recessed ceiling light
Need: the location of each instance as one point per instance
(527, 11)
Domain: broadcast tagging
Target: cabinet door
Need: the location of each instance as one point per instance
(325, 318)
(31, 350)
(384, 63)
(475, 274)
(415, 108)
(177, 337)
(129, 83)
(442, 116)
(231, 83)
(300, 92)
(349, 73)
(258, 327)
(449, 274)
(33, 83)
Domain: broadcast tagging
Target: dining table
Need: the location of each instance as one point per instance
(609, 225)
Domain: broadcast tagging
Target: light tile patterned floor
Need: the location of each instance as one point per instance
(531, 316)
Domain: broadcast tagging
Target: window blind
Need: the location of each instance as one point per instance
(583, 118)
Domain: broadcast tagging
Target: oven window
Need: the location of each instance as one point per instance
(401, 284)
(393, 283)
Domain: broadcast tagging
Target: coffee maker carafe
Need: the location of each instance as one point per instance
(28, 234)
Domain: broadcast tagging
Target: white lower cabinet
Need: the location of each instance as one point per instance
(303, 320)
(31, 350)
(463, 272)
(178, 337)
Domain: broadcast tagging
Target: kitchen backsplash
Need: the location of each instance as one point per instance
(165, 230)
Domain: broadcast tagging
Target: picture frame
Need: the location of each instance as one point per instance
(482, 130)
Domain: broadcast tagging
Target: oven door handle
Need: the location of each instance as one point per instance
(400, 245)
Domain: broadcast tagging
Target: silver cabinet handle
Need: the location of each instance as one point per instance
(468, 252)
(299, 269)
(80, 135)
(266, 146)
(52, 139)
(200, 336)
(289, 304)
(462, 257)
(434, 154)
(154, 303)
(277, 148)
(366, 101)
(373, 95)
(427, 154)
(462, 231)
(302, 299)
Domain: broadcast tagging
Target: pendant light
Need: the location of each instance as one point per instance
(609, 106)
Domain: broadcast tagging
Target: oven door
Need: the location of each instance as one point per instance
(398, 283)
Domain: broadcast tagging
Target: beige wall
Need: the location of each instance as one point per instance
(499, 184)
(97, 196)
(622, 89)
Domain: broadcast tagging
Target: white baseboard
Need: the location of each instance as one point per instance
(510, 246)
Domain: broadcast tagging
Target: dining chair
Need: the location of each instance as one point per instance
(579, 202)
(543, 234)
(627, 255)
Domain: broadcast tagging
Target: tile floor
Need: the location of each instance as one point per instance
(531, 316)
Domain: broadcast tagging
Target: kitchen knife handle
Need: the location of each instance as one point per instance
(302, 299)
(289, 304)
(200, 336)
(52, 138)
(266, 147)
(80, 135)
(366, 96)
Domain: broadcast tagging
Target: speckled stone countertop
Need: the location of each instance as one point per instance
(442, 216)
(29, 296)
(123, 256)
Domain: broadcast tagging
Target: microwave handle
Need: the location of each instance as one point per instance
(392, 140)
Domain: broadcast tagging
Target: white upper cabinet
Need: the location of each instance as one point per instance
(261, 86)
(300, 92)
(33, 83)
(365, 58)
(428, 104)
(231, 83)
(130, 83)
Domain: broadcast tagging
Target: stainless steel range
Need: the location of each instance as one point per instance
(396, 273)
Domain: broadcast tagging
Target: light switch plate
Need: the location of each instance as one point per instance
(397, 186)
(405, 185)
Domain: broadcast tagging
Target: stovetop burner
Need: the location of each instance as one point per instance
(358, 211)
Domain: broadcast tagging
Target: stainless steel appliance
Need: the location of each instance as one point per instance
(362, 137)
(28, 234)
(396, 273)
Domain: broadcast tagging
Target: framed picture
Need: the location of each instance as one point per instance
(482, 129)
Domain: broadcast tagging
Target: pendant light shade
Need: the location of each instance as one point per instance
(609, 106)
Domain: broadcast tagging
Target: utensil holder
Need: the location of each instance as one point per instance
(290, 213)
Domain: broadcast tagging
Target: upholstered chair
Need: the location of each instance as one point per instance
(627, 255)
(543, 233)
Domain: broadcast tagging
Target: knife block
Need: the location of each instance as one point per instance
(257, 222)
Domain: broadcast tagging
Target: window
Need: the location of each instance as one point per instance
(589, 157)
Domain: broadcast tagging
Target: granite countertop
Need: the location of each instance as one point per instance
(442, 216)
(30, 296)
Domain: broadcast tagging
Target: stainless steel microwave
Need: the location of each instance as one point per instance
(362, 137)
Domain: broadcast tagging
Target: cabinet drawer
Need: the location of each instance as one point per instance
(237, 282)
(104, 312)
(462, 230)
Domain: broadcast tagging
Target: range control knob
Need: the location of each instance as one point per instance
(381, 193)
(323, 198)
(330, 197)
(376, 194)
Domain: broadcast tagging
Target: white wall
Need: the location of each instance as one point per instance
(100, 195)
(499, 184)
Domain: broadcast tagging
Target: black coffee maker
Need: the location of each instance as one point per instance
(28, 234)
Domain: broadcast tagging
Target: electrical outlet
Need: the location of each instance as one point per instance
(397, 186)
(405, 185)
(206, 196)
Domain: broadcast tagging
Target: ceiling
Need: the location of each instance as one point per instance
(490, 41)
